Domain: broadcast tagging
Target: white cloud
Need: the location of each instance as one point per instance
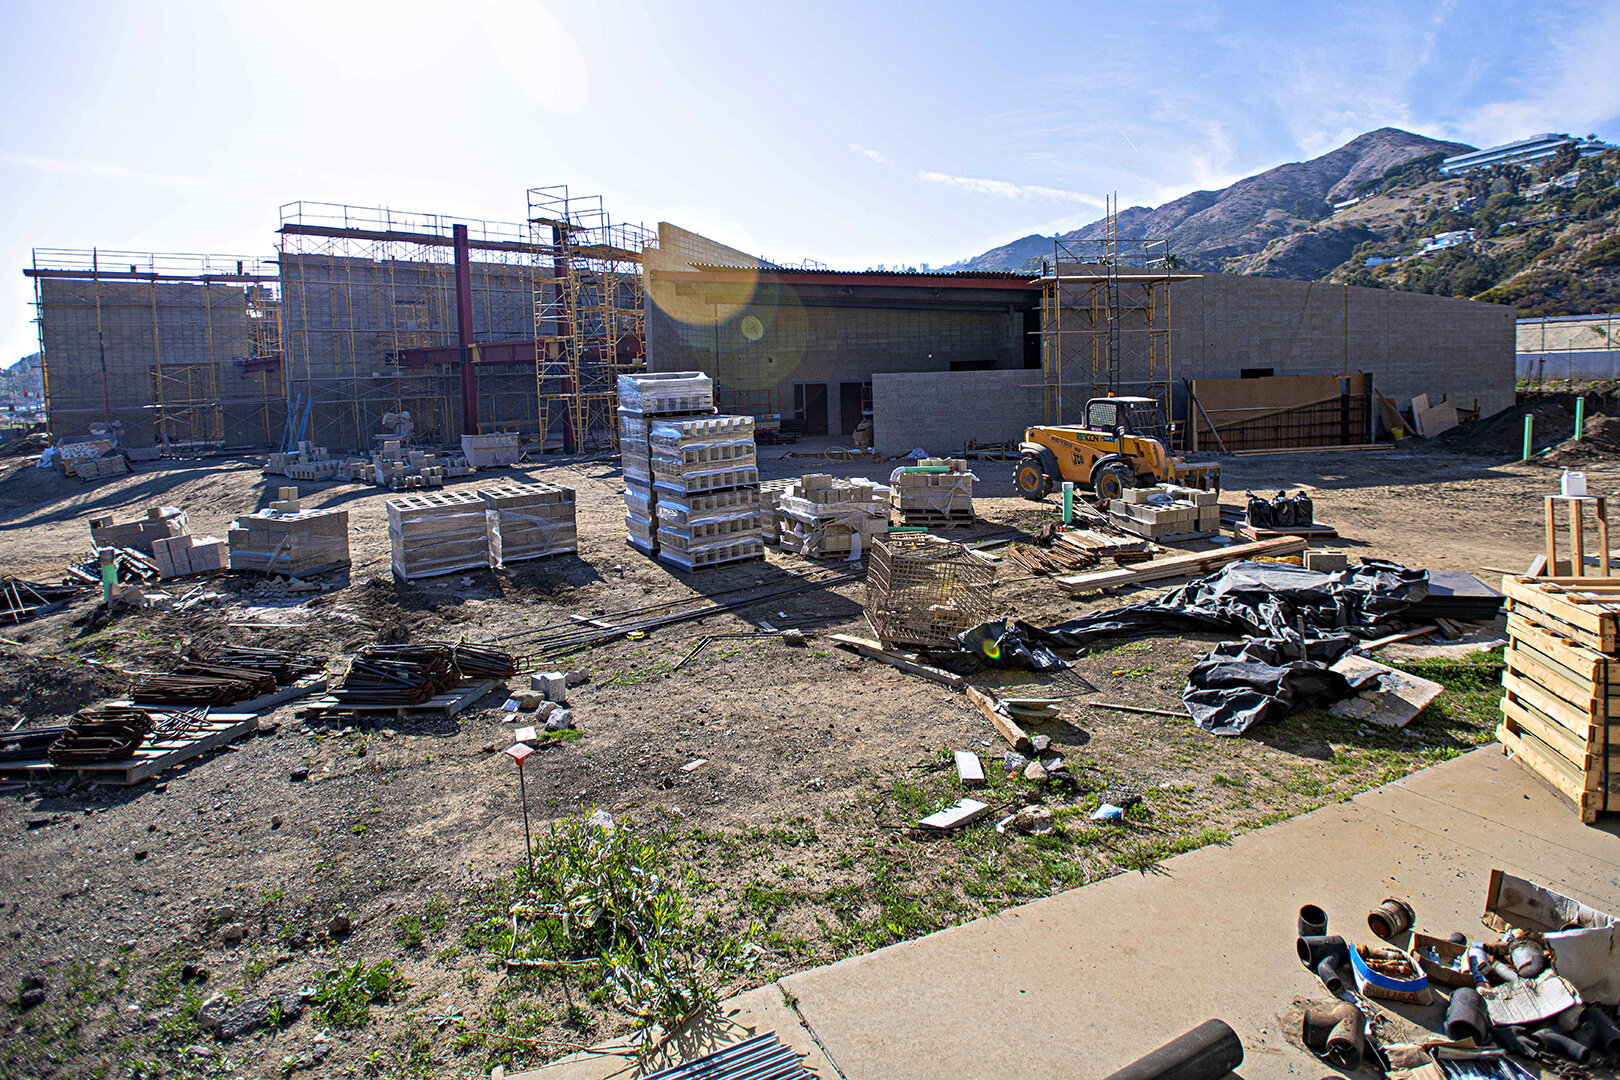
(69, 166)
(1004, 189)
(867, 151)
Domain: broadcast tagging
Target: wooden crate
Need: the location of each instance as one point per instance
(1561, 709)
(1582, 608)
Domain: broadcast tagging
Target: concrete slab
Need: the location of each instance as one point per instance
(1083, 982)
(759, 1010)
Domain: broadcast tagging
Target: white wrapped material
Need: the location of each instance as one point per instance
(527, 521)
(666, 391)
(437, 533)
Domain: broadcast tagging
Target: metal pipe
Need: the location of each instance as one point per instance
(1207, 1052)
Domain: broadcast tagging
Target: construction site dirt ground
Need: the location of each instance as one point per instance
(815, 762)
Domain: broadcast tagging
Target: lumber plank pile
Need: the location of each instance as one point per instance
(1053, 560)
(1195, 564)
(1561, 687)
(528, 521)
(1103, 546)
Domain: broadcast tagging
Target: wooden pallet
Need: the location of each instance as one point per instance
(1583, 609)
(444, 705)
(309, 684)
(933, 519)
(149, 760)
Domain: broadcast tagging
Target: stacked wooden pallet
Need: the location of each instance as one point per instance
(437, 532)
(527, 521)
(1561, 699)
(1104, 546)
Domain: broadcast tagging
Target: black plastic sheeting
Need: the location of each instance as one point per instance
(1301, 620)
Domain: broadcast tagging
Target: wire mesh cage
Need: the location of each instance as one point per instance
(923, 590)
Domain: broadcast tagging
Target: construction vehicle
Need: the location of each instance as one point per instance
(1123, 444)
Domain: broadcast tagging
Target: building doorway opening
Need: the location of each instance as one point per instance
(810, 407)
(854, 405)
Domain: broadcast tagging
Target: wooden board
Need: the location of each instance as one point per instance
(1004, 724)
(907, 662)
(1533, 755)
(447, 704)
(1315, 532)
(1394, 700)
(1195, 564)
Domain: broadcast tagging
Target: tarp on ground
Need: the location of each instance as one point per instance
(1301, 621)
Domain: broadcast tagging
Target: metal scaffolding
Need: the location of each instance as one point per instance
(589, 322)
(1105, 319)
(372, 323)
(175, 350)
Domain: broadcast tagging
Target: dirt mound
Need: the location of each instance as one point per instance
(1503, 432)
(1599, 439)
(43, 690)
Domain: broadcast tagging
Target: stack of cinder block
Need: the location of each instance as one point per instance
(178, 556)
(85, 459)
(437, 533)
(643, 399)
(397, 468)
(293, 542)
(934, 493)
(306, 462)
(111, 465)
(160, 523)
(822, 516)
(491, 451)
(1166, 510)
(770, 493)
(527, 521)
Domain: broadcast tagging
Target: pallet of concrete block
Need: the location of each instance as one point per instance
(716, 478)
(697, 547)
(770, 493)
(1561, 686)
(324, 469)
(296, 543)
(934, 493)
(437, 532)
(528, 521)
(160, 523)
(1166, 511)
(100, 468)
(676, 511)
(399, 469)
(640, 517)
(823, 517)
(666, 392)
(75, 458)
(180, 556)
(492, 451)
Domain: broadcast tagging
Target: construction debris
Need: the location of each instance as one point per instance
(22, 600)
(1189, 565)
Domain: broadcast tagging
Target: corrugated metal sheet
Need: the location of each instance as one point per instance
(764, 1057)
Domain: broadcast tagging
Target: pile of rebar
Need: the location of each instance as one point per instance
(284, 667)
(200, 683)
(397, 675)
(482, 661)
(21, 600)
(96, 736)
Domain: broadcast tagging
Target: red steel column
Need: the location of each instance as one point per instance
(464, 330)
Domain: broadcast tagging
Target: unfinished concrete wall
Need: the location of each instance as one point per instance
(174, 339)
(776, 340)
(344, 319)
(941, 411)
(1412, 343)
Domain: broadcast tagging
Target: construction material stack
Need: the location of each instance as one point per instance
(492, 451)
(823, 517)
(435, 533)
(934, 493)
(290, 540)
(527, 521)
(1167, 510)
(178, 556)
(1561, 699)
(770, 494)
(923, 590)
(160, 523)
(691, 476)
(398, 468)
(306, 462)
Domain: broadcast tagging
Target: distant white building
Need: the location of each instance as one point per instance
(1442, 241)
(1535, 148)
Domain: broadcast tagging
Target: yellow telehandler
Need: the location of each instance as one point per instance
(1123, 444)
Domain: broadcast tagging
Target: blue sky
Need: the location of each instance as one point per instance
(854, 134)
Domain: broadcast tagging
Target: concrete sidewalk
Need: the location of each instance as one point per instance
(1081, 983)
